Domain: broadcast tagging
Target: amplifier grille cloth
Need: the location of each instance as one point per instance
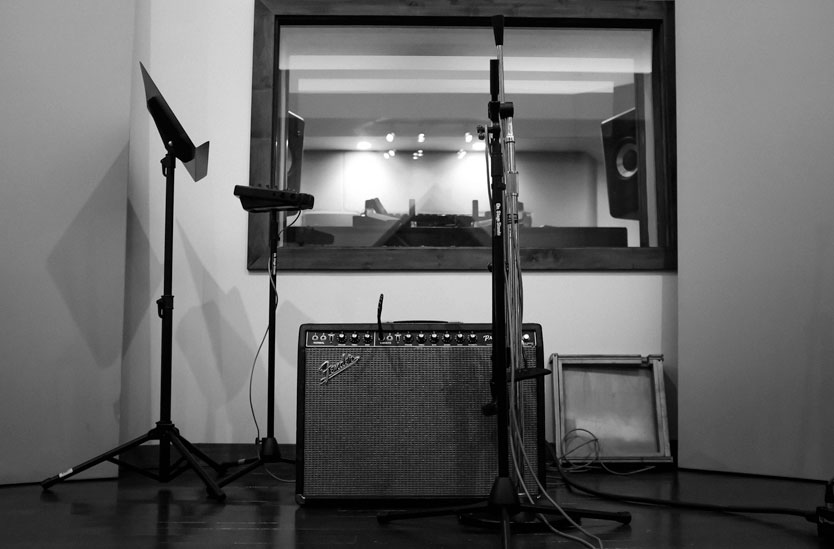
(406, 423)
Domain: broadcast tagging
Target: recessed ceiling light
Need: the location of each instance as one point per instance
(363, 145)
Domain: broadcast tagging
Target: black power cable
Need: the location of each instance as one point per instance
(810, 516)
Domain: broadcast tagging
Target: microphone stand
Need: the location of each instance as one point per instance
(268, 449)
(503, 505)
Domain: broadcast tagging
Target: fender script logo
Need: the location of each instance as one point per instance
(329, 371)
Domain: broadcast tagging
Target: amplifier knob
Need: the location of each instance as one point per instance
(408, 337)
(434, 337)
(368, 337)
(354, 337)
(525, 338)
(447, 337)
(473, 338)
(459, 337)
(341, 338)
(421, 337)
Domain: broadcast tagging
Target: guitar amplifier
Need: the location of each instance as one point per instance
(397, 414)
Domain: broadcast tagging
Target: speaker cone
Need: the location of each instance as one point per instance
(622, 160)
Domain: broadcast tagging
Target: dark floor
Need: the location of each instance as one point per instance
(259, 511)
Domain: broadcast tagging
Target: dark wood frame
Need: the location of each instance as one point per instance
(265, 155)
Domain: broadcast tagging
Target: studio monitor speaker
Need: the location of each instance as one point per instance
(622, 161)
(295, 150)
(397, 414)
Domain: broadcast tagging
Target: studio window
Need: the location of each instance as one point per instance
(379, 121)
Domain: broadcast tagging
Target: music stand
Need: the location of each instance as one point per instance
(503, 504)
(177, 146)
(259, 200)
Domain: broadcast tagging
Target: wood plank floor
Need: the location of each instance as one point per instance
(260, 511)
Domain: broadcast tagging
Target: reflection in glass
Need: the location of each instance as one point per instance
(391, 148)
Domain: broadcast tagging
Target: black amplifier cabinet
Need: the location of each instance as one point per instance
(396, 415)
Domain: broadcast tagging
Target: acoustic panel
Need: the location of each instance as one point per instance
(615, 402)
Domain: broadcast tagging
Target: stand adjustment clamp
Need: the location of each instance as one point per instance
(164, 304)
(166, 162)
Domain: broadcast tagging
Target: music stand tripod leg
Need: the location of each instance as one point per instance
(181, 445)
(110, 455)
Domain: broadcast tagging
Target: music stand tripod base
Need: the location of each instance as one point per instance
(167, 435)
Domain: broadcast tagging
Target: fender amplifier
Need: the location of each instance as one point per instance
(395, 412)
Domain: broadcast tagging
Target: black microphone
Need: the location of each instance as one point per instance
(494, 87)
(493, 107)
(498, 29)
(379, 316)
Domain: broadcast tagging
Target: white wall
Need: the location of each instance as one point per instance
(756, 299)
(220, 309)
(82, 190)
(756, 196)
(64, 121)
(199, 54)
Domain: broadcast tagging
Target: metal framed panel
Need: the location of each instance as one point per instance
(610, 408)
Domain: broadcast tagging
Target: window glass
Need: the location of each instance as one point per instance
(382, 127)
(390, 143)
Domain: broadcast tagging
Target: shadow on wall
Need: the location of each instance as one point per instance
(87, 265)
(215, 336)
(817, 376)
(143, 272)
(288, 321)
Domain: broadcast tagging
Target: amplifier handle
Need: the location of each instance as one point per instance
(424, 322)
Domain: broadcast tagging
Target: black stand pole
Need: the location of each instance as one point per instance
(165, 432)
(268, 452)
(503, 504)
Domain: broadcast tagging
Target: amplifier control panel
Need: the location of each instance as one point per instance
(409, 337)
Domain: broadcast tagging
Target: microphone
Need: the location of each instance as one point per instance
(494, 88)
(379, 316)
(498, 29)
